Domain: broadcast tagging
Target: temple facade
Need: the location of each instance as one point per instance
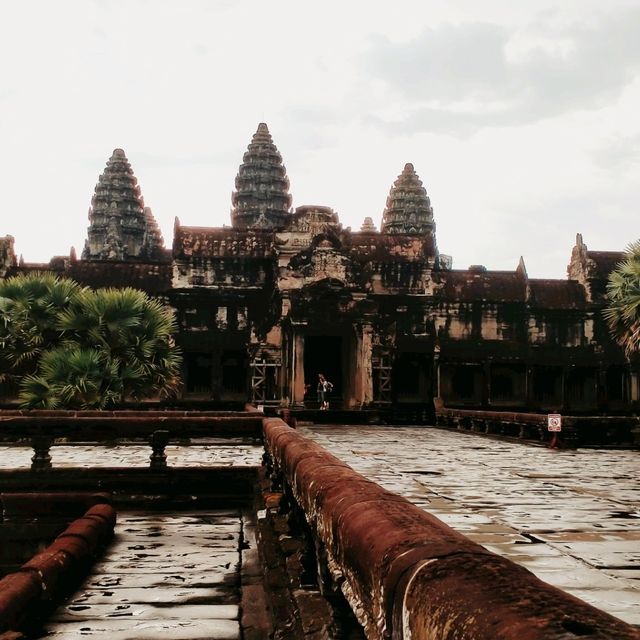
(284, 294)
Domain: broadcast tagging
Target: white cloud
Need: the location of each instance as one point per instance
(464, 77)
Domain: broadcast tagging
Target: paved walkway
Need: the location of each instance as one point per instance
(156, 562)
(571, 517)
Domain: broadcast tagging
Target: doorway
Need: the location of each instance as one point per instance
(412, 378)
(323, 354)
(199, 373)
(234, 375)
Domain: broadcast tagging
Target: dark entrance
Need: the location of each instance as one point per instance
(234, 375)
(323, 354)
(199, 370)
(412, 378)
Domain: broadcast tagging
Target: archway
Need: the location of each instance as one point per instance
(323, 354)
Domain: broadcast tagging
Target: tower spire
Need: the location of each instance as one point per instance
(119, 226)
(153, 240)
(261, 199)
(408, 208)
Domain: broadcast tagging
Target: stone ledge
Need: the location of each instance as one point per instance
(54, 572)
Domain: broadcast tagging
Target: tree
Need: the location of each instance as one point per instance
(72, 377)
(29, 310)
(623, 312)
(88, 349)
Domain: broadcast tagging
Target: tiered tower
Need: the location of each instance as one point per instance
(262, 199)
(120, 227)
(154, 242)
(368, 226)
(408, 208)
(7, 255)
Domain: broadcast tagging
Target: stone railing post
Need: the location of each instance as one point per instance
(159, 440)
(41, 460)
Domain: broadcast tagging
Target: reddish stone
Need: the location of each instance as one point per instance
(18, 592)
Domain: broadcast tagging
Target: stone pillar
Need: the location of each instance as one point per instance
(634, 386)
(528, 387)
(297, 368)
(486, 387)
(601, 389)
(362, 386)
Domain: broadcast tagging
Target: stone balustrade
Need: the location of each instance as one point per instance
(43, 429)
(408, 575)
(576, 430)
(53, 573)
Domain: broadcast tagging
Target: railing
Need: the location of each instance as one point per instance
(576, 430)
(48, 576)
(44, 429)
(406, 574)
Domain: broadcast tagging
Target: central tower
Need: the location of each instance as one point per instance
(408, 209)
(261, 199)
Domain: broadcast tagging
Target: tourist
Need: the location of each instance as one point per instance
(324, 387)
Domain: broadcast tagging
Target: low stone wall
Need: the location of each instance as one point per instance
(408, 575)
(51, 574)
(577, 431)
(44, 429)
(101, 426)
(30, 521)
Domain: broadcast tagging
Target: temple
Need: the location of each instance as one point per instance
(284, 294)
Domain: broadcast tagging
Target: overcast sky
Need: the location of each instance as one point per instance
(520, 117)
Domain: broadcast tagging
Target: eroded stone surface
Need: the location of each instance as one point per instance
(571, 517)
(174, 575)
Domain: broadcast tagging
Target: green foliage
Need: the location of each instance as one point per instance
(72, 377)
(29, 310)
(623, 313)
(73, 347)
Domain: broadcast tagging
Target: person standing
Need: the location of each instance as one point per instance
(324, 387)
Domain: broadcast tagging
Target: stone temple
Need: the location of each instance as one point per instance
(286, 293)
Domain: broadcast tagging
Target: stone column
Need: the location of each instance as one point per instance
(297, 366)
(601, 389)
(435, 377)
(362, 386)
(634, 386)
(486, 387)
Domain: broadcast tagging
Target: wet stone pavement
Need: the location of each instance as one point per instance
(570, 517)
(165, 575)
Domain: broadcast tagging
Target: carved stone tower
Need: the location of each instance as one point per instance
(408, 208)
(154, 242)
(262, 199)
(368, 226)
(120, 228)
(7, 255)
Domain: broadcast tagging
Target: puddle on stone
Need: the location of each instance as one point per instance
(630, 515)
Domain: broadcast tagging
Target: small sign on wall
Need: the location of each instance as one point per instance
(554, 422)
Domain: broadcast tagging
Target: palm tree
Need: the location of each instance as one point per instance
(134, 333)
(29, 308)
(623, 312)
(74, 377)
(70, 346)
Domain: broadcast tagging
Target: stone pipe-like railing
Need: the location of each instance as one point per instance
(52, 573)
(407, 575)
